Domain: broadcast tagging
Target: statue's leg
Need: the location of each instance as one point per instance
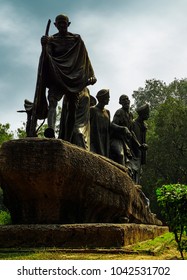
(54, 95)
(72, 103)
(63, 119)
(81, 131)
(52, 115)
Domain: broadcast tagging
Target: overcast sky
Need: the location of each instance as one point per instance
(128, 41)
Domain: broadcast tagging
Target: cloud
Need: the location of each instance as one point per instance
(19, 58)
(127, 42)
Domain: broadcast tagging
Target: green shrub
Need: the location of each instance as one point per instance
(5, 218)
(172, 200)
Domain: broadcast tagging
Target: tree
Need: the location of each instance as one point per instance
(167, 153)
(170, 141)
(173, 202)
(5, 133)
(154, 93)
(166, 135)
(178, 89)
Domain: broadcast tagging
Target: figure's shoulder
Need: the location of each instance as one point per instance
(53, 38)
(69, 34)
(75, 35)
(119, 112)
(108, 112)
(56, 35)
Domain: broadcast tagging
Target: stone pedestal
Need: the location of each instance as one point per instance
(77, 235)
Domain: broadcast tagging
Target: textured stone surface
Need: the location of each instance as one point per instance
(77, 235)
(48, 181)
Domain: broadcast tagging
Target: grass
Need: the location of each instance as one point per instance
(163, 247)
(160, 248)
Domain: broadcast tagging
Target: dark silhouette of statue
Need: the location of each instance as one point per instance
(121, 144)
(100, 124)
(140, 128)
(28, 105)
(81, 131)
(67, 71)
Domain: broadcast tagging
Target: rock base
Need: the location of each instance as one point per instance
(77, 235)
(50, 181)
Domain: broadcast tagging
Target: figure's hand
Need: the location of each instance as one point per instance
(44, 40)
(92, 81)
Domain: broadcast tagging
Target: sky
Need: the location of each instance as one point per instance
(128, 42)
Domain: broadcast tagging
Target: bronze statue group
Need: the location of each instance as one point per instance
(85, 122)
(124, 138)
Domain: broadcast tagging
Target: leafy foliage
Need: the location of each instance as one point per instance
(5, 133)
(172, 200)
(154, 93)
(21, 132)
(166, 137)
(178, 90)
(167, 143)
(5, 218)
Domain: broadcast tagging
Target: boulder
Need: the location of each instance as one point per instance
(50, 181)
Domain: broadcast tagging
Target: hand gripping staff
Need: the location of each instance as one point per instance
(40, 106)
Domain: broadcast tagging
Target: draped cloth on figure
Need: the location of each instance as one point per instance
(71, 70)
(66, 68)
(81, 132)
